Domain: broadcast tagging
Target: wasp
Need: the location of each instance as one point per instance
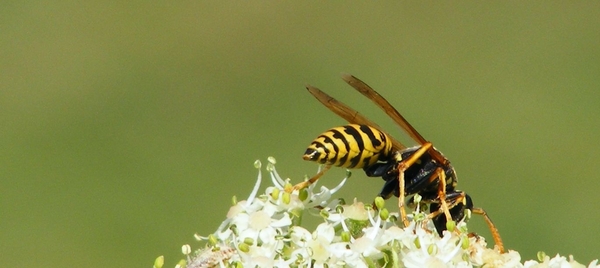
(407, 171)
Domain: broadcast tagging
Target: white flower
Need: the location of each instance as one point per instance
(260, 225)
(368, 245)
(557, 262)
(264, 231)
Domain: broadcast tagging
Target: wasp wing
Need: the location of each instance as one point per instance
(349, 114)
(382, 103)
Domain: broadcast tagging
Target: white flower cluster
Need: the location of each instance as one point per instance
(265, 231)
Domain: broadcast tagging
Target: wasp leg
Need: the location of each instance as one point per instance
(310, 181)
(443, 203)
(458, 202)
(402, 167)
(441, 175)
(401, 200)
(492, 226)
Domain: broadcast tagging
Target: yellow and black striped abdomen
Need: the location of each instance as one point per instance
(350, 146)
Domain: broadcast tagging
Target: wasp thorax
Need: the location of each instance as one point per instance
(350, 146)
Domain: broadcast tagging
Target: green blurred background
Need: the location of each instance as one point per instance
(127, 126)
